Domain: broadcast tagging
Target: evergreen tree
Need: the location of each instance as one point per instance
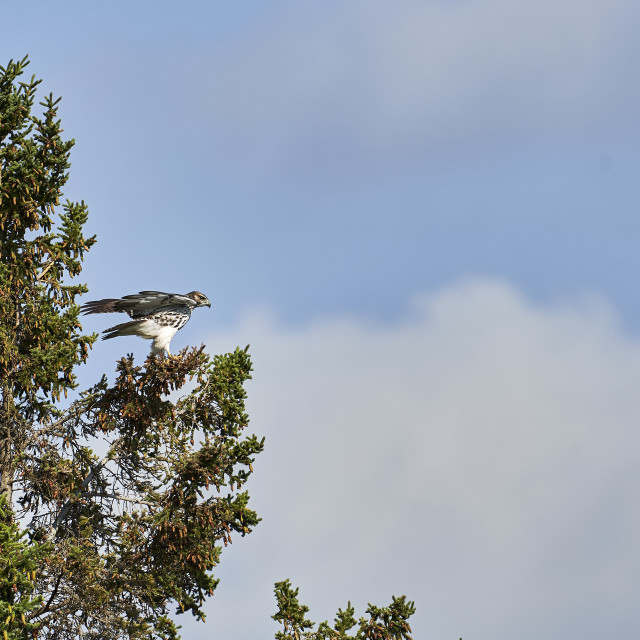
(129, 496)
(113, 510)
(19, 562)
(387, 623)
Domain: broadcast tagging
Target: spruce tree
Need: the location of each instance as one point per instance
(383, 623)
(128, 496)
(114, 508)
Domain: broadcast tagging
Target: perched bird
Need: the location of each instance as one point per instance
(155, 315)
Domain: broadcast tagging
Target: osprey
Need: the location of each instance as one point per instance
(156, 315)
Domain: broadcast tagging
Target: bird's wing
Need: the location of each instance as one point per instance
(139, 303)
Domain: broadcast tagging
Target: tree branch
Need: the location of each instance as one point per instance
(78, 493)
(117, 496)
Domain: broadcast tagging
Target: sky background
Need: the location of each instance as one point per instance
(423, 217)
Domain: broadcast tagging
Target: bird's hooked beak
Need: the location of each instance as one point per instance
(205, 303)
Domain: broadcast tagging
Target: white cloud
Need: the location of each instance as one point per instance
(480, 456)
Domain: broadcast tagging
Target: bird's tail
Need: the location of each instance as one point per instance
(108, 305)
(125, 329)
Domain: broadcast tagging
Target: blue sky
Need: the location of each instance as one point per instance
(357, 152)
(428, 210)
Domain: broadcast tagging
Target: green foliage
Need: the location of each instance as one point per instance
(290, 614)
(142, 525)
(39, 339)
(19, 562)
(131, 493)
(387, 623)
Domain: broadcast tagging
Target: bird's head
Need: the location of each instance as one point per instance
(199, 298)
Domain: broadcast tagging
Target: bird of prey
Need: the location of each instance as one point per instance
(155, 315)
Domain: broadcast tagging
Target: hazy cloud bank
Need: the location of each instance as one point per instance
(480, 456)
